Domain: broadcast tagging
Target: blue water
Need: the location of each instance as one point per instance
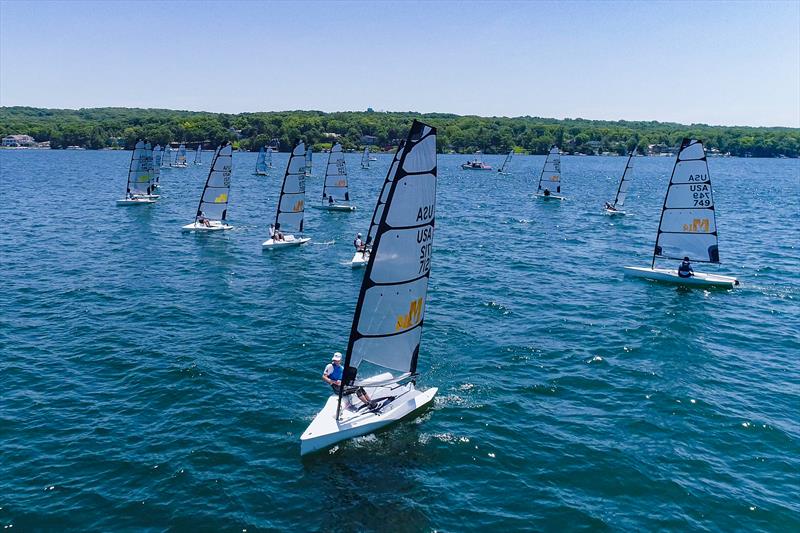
(151, 379)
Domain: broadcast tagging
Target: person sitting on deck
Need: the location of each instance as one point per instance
(358, 243)
(201, 219)
(331, 201)
(685, 270)
(333, 375)
(546, 192)
(275, 233)
(610, 207)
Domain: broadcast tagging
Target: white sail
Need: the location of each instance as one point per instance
(550, 179)
(166, 158)
(365, 158)
(506, 161)
(140, 171)
(335, 185)
(197, 154)
(622, 190)
(214, 200)
(291, 204)
(387, 324)
(688, 226)
(180, 159)
(261, 161)
(157, 155)
(268, 157)
(309, 155)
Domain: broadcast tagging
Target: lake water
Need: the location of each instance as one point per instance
(151, 379)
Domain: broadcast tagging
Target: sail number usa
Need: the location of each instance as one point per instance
(425, 240)
(701, 194)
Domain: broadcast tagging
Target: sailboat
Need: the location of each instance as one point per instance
(384, 344)
(551, 176)
(261, 163)
(180, 159)
(365, 158)
(504, 168)
(335, 194)
(158, 155)
(688, 226)
(622, 190)
(166, 158)
(139, 189)
(198, 155)
(476, 163)
(291, 203)
(212, 211)
(309, 155)
(268, 157)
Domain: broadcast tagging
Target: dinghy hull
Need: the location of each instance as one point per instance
(343, 208)
(135, 201)
(202, 228)
(359, 260)
(613, 212)
(325, 431)
(550, 196)
(288, 242)
(666, 275)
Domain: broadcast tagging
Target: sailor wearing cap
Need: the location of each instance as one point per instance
(333, 375)
(358, 243)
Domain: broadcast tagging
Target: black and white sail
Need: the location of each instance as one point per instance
(180, 159)
(335, 185)
(291, 204)
(309, 163)
(387, 324)
(624, 182)
(550, 178)
(157, 155)
(214, 200)
(140, 171)
(365, 158)
(688, 225)
(166, 158)
(261, 161)
(503, 169)
(198, 155)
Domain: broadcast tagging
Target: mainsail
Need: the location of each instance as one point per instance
(335, 185)
(387, 324)
(309, 155)
(551, 172)
(197, 154)
(688, 226)
(291, 204)
(365, 158)
(140, 172)
(180, 160)
(622, 191)
(214, 200)
(268, 157)
(261, 162)
(506, 161)
(166, 159)
(157, 155)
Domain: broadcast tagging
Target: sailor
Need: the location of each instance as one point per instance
(201, 219)
(685, 270)
(331, 201)
(333, 375)
(610, 207)
(358, 243)
(547, 192)
(275, 232)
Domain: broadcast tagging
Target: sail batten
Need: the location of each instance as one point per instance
(214, 199)
(291, 203)
(336, 182)
(387, 323)
(550, 178)
(688, 226)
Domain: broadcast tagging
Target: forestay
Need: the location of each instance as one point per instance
(387, 324)
(551, 172)
(335, 177)
(140, 172)
(214, 200)
(688, 226)
(622, 190)
(291, 205)
(261, 162)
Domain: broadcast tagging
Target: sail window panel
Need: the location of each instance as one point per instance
(691, 221)
(692, 195)
(422, 157)
(215, 195)
(294, 184)
(291, 221)
(378, 214)
(694, 150)
(387, 310)
(697, 247)
(395, 352)
(690, 172)
(214, 210)
(139, 187)
(338, 193)
(413, 202)
(220, 176)
(403, 255)
(297, 165)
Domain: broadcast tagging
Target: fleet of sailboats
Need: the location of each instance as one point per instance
(384, 346)
(687, 230)
(550, 178)
(212, 211)
(290, 211)
(613, 208)
(335, 189)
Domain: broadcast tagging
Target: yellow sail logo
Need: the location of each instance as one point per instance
(298, 206)
(554, 177)
(341, 183)
(221, 199)
(698, 225)
(144, 178)
(412, 318)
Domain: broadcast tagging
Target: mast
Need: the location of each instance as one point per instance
(387, 323)
(622, 190)
(291, 203)
(335, 184)
(214, 200)
(688, 224)
(551, 171)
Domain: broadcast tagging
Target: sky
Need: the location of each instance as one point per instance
(726, 63)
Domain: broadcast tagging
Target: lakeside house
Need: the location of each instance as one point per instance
(16, 141)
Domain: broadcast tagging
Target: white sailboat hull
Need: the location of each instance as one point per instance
(550, 196)
(257, 173)
(180, 166)
(335, 207)
(215, 225)
(612, 212)
(699, 279)
(135, 201)
(288, 242)
(359, 260)
(325, 431)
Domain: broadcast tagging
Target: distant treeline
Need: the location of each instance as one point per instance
(122, 127)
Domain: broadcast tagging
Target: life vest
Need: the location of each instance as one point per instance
(337, 373)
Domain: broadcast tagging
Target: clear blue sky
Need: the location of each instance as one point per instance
(716, 63)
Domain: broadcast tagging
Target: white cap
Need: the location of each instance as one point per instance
(359, 235)
(337, 356)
